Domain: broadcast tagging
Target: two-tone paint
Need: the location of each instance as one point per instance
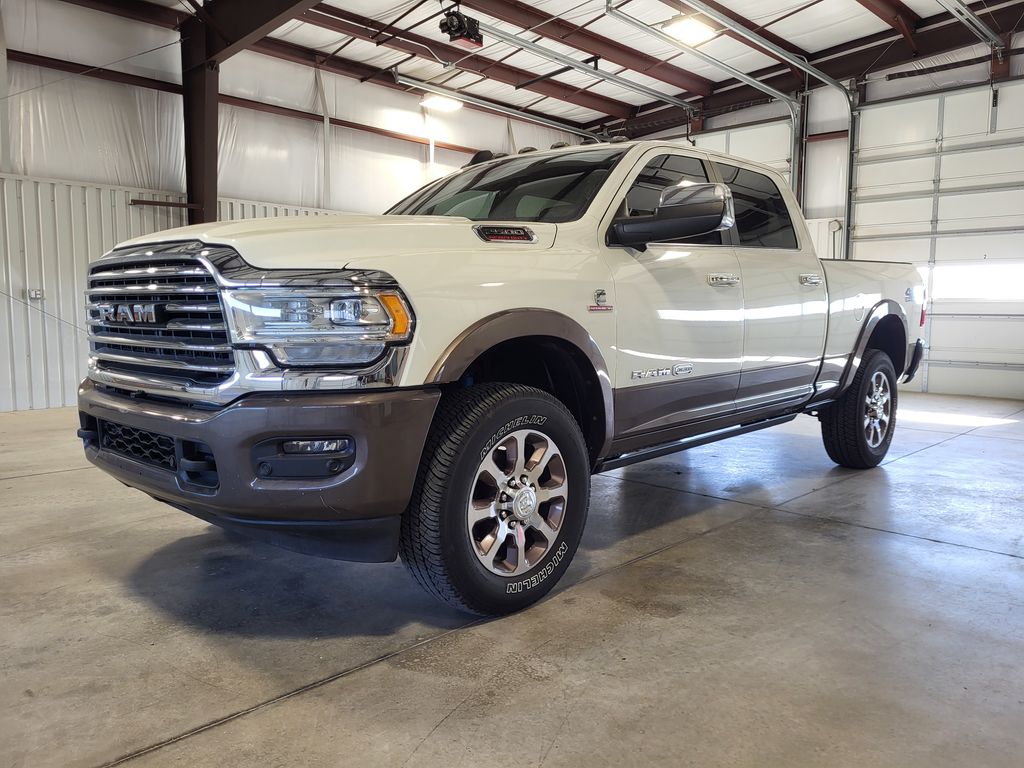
(740, 330)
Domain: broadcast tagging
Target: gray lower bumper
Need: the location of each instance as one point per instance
(366, 499)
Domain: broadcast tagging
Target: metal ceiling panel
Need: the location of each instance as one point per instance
(827, 24)
(924, 8)
(309, 36)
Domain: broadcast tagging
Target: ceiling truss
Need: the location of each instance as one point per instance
(685, 94)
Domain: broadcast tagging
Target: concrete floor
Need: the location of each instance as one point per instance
(742, 604)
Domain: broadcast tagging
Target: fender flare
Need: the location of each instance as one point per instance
(513, 324)
(884, 308)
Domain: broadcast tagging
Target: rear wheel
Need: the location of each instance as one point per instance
(857, 429)
(500, 500)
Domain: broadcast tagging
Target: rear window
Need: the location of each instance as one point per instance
(762, 218)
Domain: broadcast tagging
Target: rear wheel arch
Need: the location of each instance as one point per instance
(539, 348)
(884, 329)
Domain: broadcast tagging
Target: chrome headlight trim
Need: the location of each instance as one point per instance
(256, 370)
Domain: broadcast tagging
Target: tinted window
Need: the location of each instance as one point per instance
(667, 171)
(762, 219)
(528, 187)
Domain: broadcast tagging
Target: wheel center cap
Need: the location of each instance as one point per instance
(524, 504)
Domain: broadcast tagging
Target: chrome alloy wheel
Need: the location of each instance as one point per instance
(517, 503)
(877, 410)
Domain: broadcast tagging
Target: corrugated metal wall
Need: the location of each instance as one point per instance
(49, 232)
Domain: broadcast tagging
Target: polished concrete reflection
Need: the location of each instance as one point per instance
(746, 604)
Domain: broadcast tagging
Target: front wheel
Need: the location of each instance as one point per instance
(858, 427)
(500, 500)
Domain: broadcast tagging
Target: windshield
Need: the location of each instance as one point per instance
(551, 188)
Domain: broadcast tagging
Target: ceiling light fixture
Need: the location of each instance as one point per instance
(440, 103)
(688, 30)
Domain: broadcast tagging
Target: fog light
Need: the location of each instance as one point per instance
(335, 445)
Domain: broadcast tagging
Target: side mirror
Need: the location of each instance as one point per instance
(685, 211)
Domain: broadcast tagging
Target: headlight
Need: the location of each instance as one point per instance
(340, 328)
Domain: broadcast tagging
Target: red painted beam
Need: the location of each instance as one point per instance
(166, 86)
(235, 25)
(354, 25)
(829, 136)
(742, 21)
(110, 75)
(680, 5)
(898, 16)
(298, 54)
(842, 62)
(538, 22)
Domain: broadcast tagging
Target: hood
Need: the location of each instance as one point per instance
(357, 240)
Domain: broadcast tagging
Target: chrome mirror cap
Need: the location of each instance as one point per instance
(699, 196)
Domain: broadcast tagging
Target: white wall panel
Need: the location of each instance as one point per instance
(827, 111)
(827, 244)
(1010, 115)
(911, 175)
(1004, 245)
(967, 114)
(268, 157)
(1001, 165)
(775, 110)
(892, 217)
(253, 76)
(880, 88)
(915, 251)
(976, 381)
(73, 33)
(768, 143)
(825, 169)
(372, 173)
(715, 142)
(903, 127)
(982, 210)
(95, 131)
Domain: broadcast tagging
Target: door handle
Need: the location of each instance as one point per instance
(811, 279)
(716, 279)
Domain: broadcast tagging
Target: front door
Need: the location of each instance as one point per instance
(679, 312)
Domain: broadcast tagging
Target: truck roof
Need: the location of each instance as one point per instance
(644, 144)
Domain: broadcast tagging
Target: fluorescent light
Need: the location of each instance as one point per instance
(440, 103)
(689, 30)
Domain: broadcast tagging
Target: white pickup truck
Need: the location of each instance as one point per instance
(441, 381)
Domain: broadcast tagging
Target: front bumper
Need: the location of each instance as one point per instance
(350, 514)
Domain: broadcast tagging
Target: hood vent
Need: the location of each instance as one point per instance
(503, 234)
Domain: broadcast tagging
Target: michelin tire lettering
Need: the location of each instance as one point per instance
(515, 587)
(522, 421)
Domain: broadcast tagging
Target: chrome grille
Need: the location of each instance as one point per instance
(158, 317)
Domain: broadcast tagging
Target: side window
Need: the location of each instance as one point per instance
(661, 172)
(762, 219)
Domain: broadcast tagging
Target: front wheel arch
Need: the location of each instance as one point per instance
(482, 353)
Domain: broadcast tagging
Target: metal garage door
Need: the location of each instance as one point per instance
(940, 182)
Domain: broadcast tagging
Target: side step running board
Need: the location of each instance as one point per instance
(664, 449)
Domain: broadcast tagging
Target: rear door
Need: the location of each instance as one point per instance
(784, 297)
